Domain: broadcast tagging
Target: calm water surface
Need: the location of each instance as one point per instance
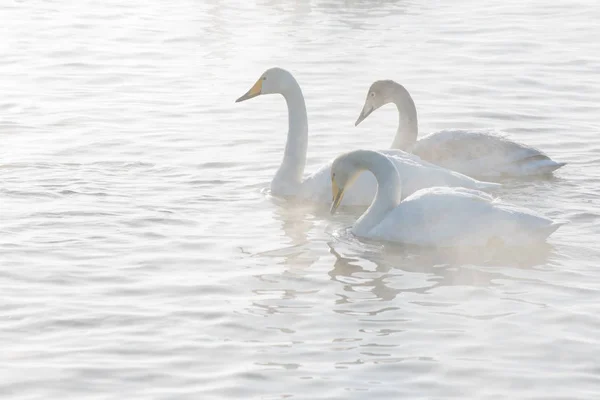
(141, 258)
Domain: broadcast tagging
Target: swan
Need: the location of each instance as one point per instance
(437, 216)
(477, 154)
(288, 180)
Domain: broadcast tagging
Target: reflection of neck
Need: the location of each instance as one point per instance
(408, 130)
(388, 189)
(289, 175)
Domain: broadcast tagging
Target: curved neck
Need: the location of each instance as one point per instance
(408, 129)
(388, 194)
(288, 178)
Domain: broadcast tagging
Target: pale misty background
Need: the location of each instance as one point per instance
(140, 258)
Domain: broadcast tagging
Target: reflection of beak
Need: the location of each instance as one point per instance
(363, 114)
(337, 195)
(253, 92)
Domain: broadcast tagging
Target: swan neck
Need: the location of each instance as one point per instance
(388, 194)
(408, 129)
(289, 175)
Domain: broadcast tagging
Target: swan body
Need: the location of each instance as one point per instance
(416, 175)
(288, 180)
(436, 216)
(485, 154)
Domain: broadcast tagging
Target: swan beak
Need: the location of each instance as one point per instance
(253, 92)
(364, 114)
(337, 195)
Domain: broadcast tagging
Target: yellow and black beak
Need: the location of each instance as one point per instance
(253, 92)
(337, 195)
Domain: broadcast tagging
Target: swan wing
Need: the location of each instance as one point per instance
(484, 154)
(415, 174)
(459, 216)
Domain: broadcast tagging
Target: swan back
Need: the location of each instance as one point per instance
(415, 174)
(459, 216)
(484, 154)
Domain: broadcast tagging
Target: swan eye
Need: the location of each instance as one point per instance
(264, 78)
(372, 94)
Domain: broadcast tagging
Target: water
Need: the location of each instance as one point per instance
(139, 257)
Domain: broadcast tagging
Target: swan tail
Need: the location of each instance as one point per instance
(555, 165)
(539, 165)
(557, 224)
(552, 227)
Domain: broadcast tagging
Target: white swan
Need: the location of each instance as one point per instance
(478, 154)
(289, 182)
(439, 216)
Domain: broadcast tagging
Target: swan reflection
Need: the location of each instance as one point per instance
(386, 270)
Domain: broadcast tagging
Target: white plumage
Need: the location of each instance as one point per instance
(483, 154)
(439, 216)
(289, 181)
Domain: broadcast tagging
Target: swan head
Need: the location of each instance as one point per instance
(273, 80)
(344, 171)
(380, 93)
